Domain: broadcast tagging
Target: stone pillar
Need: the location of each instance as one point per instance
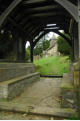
(31, 54)
(79, 25)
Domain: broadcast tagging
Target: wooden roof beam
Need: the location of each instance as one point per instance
(7, 12)
(70, 7)
(48, 20)
(57, 32)
(27, 14)
(35, 42)
(38, 3)
(54, 11)
(19, 28)
(33, 1)
(43, 29)
(47, 14)
(49, 7)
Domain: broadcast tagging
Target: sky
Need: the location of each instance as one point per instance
(49, 37)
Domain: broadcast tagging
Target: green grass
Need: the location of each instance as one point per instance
(55, 65)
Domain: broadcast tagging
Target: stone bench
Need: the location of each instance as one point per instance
(15, 65)
(13, 70)
(11, 88)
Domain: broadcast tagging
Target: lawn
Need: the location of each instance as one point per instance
(55, 65)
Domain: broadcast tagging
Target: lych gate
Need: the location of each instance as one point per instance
(27, 20)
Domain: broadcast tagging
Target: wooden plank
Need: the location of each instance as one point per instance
(46, 14)
(33, 1)
(49, 7)
(45, 9)
(7, 12)
(71, 8)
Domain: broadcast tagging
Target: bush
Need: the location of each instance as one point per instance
(63, 46)
(28, 53)
(41, 46)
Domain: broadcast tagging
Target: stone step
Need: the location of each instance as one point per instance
(77, 82)
(68, 93)
(11, 88)
(67, 78)
(55, 112)
(45, 111)
(15, 65)
(68, 98)
(13, 70)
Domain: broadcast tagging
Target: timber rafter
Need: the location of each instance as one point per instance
(32, 16)
(55, 31)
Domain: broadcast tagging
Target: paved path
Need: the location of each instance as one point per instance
(44, 93)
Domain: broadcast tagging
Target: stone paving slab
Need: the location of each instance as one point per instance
(45, 93)
(56, 112)
(43, 111)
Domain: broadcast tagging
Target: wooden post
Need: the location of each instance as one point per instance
(31, 51)
(77, 76)
(16, 47)
(75, 41)
(23, 51)
(79, 25)
(19, 47)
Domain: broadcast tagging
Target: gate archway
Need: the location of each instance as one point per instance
(25, 19)
(30, 17)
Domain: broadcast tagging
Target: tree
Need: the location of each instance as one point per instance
(42, 45)
(63, 46)
(28, 53)
(46, 44)
(38, 50)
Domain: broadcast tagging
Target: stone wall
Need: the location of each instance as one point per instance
(9, 71)
(14, 77)
(70, 87)
(77, 82)
(12, 88)
(53, 51)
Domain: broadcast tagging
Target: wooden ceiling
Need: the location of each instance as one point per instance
(32, 16)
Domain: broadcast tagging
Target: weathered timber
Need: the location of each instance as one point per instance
(71, 8)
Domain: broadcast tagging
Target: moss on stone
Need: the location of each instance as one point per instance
(77, 66)
(67, 86)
